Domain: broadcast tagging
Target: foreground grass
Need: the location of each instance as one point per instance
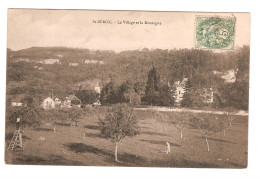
(67, 146)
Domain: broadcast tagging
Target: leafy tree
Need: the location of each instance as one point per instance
(119, 122)
(234, 95)
(125, 92)
(30, 116)
(165, 96)
(87, 96)
(193, 98)
(75, 113)
(17, 71)
(108, 94)
(128, 92)
(139, 88)
(243, 64)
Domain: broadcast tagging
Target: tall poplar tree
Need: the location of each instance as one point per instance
(152, 87)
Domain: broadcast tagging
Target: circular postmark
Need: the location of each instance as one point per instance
(215, 32)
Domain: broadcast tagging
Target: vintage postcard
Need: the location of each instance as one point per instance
(127, 88)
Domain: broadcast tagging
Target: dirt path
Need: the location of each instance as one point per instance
(239, 113)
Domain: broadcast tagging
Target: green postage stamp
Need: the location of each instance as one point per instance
(215, 32)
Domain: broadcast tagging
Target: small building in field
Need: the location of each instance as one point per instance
(23, 60)
(50, 61)
(13, 103)
(17, 100)
(48, 103)
(73, 64)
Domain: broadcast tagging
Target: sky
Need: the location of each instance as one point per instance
(75, 28)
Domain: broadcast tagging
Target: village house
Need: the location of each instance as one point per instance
(23, 60)
(38, 67)
(180, 90)
(87, 61)
(74, 100)
(229, 76)
(73, 64)
(66, 103)
(57, 102)
(48, 103)
(208, 95)
(97, 103)
(51, 103)
(50, 61)
(17, 100)
(90, 84)
(59, 55)
(97, 88)
(13, 103)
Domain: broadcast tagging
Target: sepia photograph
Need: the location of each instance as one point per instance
(127, 88)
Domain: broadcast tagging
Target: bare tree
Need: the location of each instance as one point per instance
(223, 123)
(230, 119)
(162, 119)
(180, 121)
(119, 122)
(207, 126)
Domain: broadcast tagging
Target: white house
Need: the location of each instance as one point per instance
(59, 55)
(23, 60)
(13, 103)
(97, 103)
(38, 68)
(208, 95)
(57, 102)
(87, 61)
(180, 90)
(66, 103)
(97, 88)
(48, 103)
(17, 100)
(50, 61)
(229, 76)
(73, 64)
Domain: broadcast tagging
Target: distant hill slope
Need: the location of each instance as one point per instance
(63, 53)
(133, 65)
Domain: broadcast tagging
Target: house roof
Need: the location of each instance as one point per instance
(73, 97)
(18, 98)
(89, 83)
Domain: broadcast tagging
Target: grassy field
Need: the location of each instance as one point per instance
(68, 147)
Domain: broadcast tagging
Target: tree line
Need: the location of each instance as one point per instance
(132, 75)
